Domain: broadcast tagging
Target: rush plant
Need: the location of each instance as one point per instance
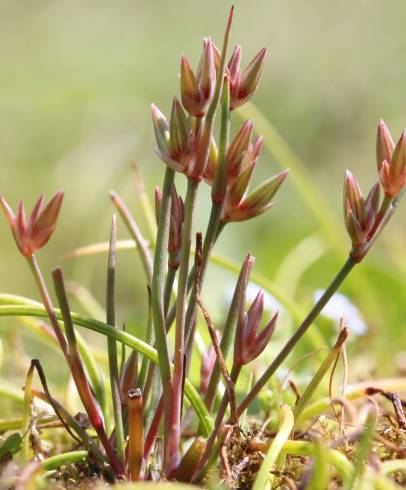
(126, 442)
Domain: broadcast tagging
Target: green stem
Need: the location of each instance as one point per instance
(145, 366)
(39, 279)
(55, 462)
(120, 336)
(235, 372)
(321, 372)
(111, 344)
(172, 457)
(95, 375)
(312, 315)
(218, 194)
(285, 428)
(157, 291)
(229, 329)
(79, 376)
(142, 244)
(88, 442)
(170, 278)
(25, 451)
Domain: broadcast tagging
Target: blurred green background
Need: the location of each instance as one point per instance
(76, 83)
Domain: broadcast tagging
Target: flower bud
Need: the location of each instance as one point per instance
(384, 144)
(161, 129)
(359, 213)
(32, 235)
(249, 344)
(393, 173)
(238, 147)
(243, 85)
(197, 91)
(353, 194)
(258, 201)
(239, 187)
(179, 133)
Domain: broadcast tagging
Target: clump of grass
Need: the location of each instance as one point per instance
(151, 395)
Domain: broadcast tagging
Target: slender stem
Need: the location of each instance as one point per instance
(235, 371)
(135, 434)
(32, 261)
(25, 451)
(146, 207)
(223, 366)
(321, 372)
(145, 365)
(157, 293)
(142, 244)
(219, 190)
(78, 373)
(153, 428)
(170, 278)
(285, 428)
(54, 462)
(87, 441)
(229, 329)
(111, 343)
(172, 450)
(290, 344)
(32, 310)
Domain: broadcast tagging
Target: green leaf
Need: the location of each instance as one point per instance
(11, 445)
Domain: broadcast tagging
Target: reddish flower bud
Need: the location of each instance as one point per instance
(249, 344)
(384, 144)
(243, 85)
(359, 213)
(179, 134)
(197, 91)
(239, 187)
(32, 235)
(391, 163)
(238, 147)
(175, 141)
(353, 194)
(161, 129)
(257, 202)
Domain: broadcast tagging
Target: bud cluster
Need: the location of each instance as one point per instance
(365, 217)
(179, 140)
(359, 213)
(32, 235)
(249, 344)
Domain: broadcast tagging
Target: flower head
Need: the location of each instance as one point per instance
(244, 83)
(197, 90)
(359, 212)
(240, 206)
(33, 234)
(249, 344)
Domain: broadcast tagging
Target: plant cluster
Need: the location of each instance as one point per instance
(126, 442)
